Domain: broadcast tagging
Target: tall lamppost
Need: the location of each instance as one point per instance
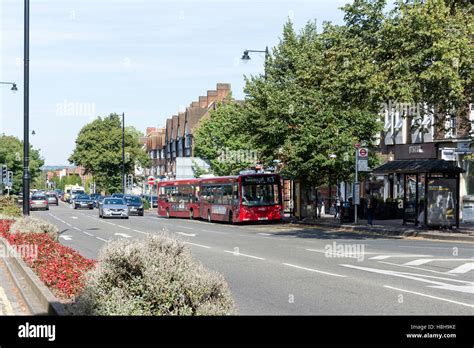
(123, 153)
(246, 57)
(14, 88)
(26, 142)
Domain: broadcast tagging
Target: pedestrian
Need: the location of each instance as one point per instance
(319, 202)
(338, 207)
(370, 209)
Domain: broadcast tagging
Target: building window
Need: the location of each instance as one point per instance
(469, 175)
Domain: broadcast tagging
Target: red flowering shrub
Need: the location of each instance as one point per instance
(61, 268)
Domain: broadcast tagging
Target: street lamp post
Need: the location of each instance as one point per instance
(26, 143)
(246, 57)
(123, 152)
(14, 88)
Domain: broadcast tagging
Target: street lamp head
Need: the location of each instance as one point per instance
(246, 56)
(33, 132)
(332, 155)
(14, 89)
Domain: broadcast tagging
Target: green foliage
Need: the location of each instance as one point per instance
(223, 140)
(155, 276)
(8, 207)
(308, 107)
(99, 151)
(11, 154)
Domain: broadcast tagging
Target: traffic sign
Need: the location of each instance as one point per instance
(357, 145)
(151, 180)
(363, 152)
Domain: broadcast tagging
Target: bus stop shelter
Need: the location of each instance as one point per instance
(430, 190)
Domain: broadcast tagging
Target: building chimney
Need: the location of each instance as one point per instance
(211, 97)
(203, 102)
(223, 89)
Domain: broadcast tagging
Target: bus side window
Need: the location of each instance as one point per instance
(236, 193)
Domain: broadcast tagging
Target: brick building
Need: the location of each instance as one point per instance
(173, 144)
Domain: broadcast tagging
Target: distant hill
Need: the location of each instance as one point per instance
(51, 168)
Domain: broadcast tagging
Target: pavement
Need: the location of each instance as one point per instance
(294, 269)
(465, 232)
(11, 300)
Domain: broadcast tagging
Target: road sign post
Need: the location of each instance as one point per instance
(356, 184)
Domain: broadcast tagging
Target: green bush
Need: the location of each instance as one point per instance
(30, 224)
(8, 207)
(146, 204)
(155, 276)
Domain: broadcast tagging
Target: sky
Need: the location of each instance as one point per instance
(147, 58)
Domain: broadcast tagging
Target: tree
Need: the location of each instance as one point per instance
(304, 111)
(11, 154)
(224, 141)
(99, 151)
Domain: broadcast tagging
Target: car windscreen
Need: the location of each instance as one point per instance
(114, 201)
(83, 197)
(77, 192)
(51, 195)
(132, 199)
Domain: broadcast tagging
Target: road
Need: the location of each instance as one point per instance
(282, 269)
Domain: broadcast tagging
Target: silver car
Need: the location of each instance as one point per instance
(52, 198)
(113, 207)
(39, 201)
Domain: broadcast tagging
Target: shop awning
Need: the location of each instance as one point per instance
(418, 166)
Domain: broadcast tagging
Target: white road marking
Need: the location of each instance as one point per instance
(264, 234)
(468, 288)
(412, 267)
(430, 296)
(423, 261)
(123, 235)
(246, 255)
(5, 304)
(109, 223)
(74, 217)
(383, 257)
(142, 232)
(314, 270)
(463, 268)
(423, 247)
(89, 234)
(68, 224)
(199, 245)
(76, 228)
(66, 237)
(186, 228)
(125, 228)
(187, 234)
(218, 232)
(104, 240)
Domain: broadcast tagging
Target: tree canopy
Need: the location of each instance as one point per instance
(99, 151)
(11, 154)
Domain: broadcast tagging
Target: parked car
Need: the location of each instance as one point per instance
(39, 201)
(52, 198)
(83, 201)
(135, 204)
(113, 207)
(117, 195)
